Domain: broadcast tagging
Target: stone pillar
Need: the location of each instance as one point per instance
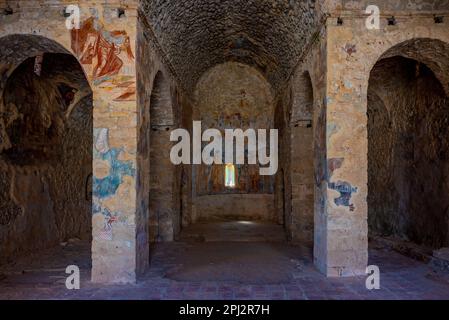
(119, 245)
(345, 216)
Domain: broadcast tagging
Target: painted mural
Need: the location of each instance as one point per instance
(333, 164)
(230, 96)
(107, 184)
(326, 169)
(107, 56)
(211, 178)
(346, 190)
(109, 176)
(109, 219)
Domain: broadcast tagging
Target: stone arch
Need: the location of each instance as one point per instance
(161, 107)
(304, 97)
(19, 47)
(434, 53)
(37, 108)
(164, 209)
(238, 96)
(45, 145)
(407, 106)
(417, 46)
(302, 159)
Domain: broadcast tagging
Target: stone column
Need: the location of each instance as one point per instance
(119, 245)
(346, 240)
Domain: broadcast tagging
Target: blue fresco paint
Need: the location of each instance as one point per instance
(346, 191)
(108, 186)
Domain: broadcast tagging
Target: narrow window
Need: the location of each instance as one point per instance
(230, 176)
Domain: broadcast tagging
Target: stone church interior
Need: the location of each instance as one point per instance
(91, 93)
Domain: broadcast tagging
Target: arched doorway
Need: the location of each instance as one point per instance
(302, 160)
(45, 148)
(408, 148)
(164, 207)
(232, 201)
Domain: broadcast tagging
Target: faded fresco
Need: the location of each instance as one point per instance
(233, 96)
(211, 178)
(107, 56)
(109, 176)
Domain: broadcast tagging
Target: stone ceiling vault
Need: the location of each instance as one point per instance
(196, 35)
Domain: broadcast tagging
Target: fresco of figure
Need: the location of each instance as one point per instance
(106, 51)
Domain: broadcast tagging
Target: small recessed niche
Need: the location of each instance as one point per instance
(392, 21)
(121, 13)
(339, 21)
(438, 19)
(8, 11)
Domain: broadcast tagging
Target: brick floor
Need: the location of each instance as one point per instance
(172, 276)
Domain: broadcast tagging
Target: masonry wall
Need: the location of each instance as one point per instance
(308, 120)
(145, 76)
(160, 101)
(353, 50)
(302, 157)
(164, 194)
(282, 188)
(187, 215)
(233, 96)
(234, 207)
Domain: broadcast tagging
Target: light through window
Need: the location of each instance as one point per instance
(230, 176)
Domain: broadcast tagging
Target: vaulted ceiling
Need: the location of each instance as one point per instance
(196, 35)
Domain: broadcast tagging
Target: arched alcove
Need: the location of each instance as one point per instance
(302, 160)
(164, 209)
(45, 147)
(161, 109)
(233, 96)
(408, 149)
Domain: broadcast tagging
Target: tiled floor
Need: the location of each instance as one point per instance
(235, 231)
(221, 270)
